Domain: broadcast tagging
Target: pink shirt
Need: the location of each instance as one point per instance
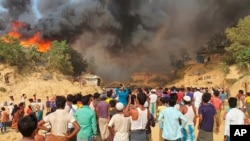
(216, 101)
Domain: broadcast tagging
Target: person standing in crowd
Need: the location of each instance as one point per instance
(190, 93)
(18, 113)
(119, 124)
(163, 104)
(179, 96)
(122, 94)
(242, 100)
(28, 128)
(138, 118)
(47, 103)
(207, 115)
(223, 97)
(94, 101)
(153, 99)
(33, 106)
(169, 121)
(34, 98)
(71, 109)
(197, 99)
(188, 110)
(87, 120)
(102, 111)
(23, 98)
(109, 96)
(234, 117)
(248, 103)
(10, 110)
(4, 119)
(39, 113)
(150, 123)
(216, 101)
(59, 122)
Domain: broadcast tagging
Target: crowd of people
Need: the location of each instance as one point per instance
(126, 114)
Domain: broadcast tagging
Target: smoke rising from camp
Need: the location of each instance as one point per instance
(126, 36)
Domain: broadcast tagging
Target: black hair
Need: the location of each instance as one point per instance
(3, 109)
(70, 98)
(78, 97)
(112, 103)
(109, 93)
(27, 125)
(60, 102)
(97, 95)
(241, 91)
(248, 93)
(206, 97)
(164, 100)
(216, 93)
(232, 101)
(141, 97)
(38, 100)
(172, 100)
(85, 99)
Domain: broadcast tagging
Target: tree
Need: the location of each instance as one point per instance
(79, 65)
(12, 53)
(239, 37)
(59, 58)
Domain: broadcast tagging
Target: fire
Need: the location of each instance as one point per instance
(35, 40)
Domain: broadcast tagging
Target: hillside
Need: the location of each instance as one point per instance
(210, 75)
(40, 83)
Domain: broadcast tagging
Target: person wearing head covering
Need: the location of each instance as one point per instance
(188, 110)
(119, 125)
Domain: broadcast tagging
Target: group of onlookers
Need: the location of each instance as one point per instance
(126, 114)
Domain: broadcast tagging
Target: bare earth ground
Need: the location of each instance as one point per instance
(33, 84)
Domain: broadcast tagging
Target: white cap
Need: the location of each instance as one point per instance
(187, 98)
(119, 106)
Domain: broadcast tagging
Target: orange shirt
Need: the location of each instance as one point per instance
(5, 116)
(216, 101)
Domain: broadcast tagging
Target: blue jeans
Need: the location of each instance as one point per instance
(3, 128)
(89, 139)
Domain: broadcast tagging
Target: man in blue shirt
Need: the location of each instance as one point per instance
(122, 94)
(169, 121)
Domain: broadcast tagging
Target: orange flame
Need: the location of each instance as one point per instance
(35, 40)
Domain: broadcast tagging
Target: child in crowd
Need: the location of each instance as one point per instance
(48, 104)
(222, 97)
(4, 119)
(112, 110)
(29, 110)
(248, 103)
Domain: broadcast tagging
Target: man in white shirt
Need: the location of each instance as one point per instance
(119, 125)
(153, 100)
(197, 99)
(234, 117)
(59, 122)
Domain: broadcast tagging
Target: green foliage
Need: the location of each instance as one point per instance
(239, 37)
(79, 65)
(59, 58)
(243, 58)
(12, 53)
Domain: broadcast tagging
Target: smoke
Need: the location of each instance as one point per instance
(126, 36)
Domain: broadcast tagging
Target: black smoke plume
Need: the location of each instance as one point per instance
(126, 36)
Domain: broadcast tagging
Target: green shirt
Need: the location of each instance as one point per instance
(86, 118)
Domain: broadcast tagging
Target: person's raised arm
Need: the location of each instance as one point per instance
(127, 112)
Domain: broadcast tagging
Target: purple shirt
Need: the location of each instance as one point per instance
(207, 111)
(190, 94)
(103, 109)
